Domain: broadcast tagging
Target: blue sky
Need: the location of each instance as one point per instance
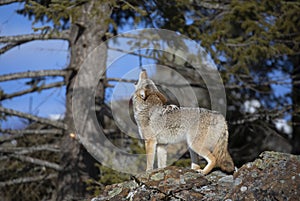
(42, 55)
(52, 54)
(37, 55)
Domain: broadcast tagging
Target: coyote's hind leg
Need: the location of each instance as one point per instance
(211, 162)
(195, 160)
(209, 157)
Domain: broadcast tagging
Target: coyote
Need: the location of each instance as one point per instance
(205, 131)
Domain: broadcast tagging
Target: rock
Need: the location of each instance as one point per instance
(273, 176)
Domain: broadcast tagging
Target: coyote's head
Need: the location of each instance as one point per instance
(145, 87)
(145, 83)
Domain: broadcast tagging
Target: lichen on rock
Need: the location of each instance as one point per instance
(272, 176)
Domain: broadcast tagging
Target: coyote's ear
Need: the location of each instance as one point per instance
(162, 97)
(142, 94)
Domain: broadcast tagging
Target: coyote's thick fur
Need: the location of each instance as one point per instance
(205, 131)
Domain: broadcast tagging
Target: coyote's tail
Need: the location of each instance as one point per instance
(224, 160)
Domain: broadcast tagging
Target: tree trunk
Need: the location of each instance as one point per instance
(87, 32)
(296, 105)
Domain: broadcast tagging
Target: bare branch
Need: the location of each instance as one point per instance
(21, 133)
(130, 52)
(27, 150)
(32, 132)
(121, 80)
(6, 48)
(13, 41)
(33, 89)
(196, 85)
(63, 35)
(262, 115)
(37, 161)
(32, 74)
(6, 2)
(208, 4)
(56, 124)
(27, 179)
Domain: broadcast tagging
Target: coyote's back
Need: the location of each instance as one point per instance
(205, 131)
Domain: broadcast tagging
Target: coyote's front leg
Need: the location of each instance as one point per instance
(161, 155)
(150, 145)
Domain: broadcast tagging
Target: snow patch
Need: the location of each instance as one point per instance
(283, 126)
(56, 117)
(251, 106)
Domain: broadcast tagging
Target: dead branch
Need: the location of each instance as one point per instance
(13, 41)
(63, 35)
(211, 5)
(32, 74)
(6, 2)
(36, 161)
(121, 80)
(27, 179)
(31, 132)
(22, 133)
(262, 115)
(30, 90)
(27, 150)
(12, 112)
(131, 53)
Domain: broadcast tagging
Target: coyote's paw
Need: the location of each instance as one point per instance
(169, 108)
(201, 171)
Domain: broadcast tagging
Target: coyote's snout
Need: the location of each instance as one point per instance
(159, 124)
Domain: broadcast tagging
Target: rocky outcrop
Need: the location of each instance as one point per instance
(272, 176)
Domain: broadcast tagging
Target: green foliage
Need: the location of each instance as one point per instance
(248, 34)
(183, 162)
(109, 176)
(136, 148)
(60, 12)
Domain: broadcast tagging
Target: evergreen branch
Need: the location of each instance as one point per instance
(32, 74)
(129, 5)
(241, 44)
(21, 133)
(6, 2)
(12, 112)
(30, 90)
(37, 161)
(291, 2)
(27, 179)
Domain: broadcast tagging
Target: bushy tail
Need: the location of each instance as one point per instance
(224, 160)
